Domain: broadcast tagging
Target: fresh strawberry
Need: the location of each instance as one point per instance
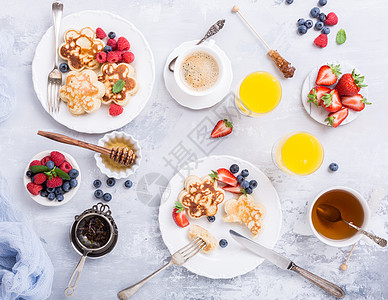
(234, 189)
(331, 19)
(54, 182)
(34, 188)
(35, 163)
(315, 95)
(179, 215)
(321, 40)
(225, 176)
(57, 157)
(65, 166)
(222, 128)
(44, 160)
(40, 178)
(356, 102)
(328, 75)
(331, 101)
(336, 118)
(350, 84)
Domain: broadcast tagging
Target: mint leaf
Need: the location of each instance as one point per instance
(39, 169)
(118, 86)
(62, 174)
(341, 37)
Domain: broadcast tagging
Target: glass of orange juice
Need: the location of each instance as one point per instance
(298, 153)
(258, 93)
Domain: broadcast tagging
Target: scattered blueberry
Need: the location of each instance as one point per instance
(234, 168)
(319, 25)
(59, 191)
(302, 29)
(111, 35)
(253, 184)
(223, 243)
(322, 2)
(50, 190)
(98, 194)
(50, 164)
(97, 183)
(333, 167)
(211, 219)
(240, 178)
(107, 48)
(300, 21)
(248, 190)
(64, 67)
(32, 178)
(244, 184)
(314, 12)
(308, 24)
(60, 198)
(73, 173)
(66, 186)
(289, 1)
(43, 193)
(245, 173)
(322, 17)
(73, 182)
(51, 196)
(107, 197)
(110, 181)
(128, 183)
(28, 173)
(325, 30)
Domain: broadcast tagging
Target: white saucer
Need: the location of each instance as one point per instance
(194, 102)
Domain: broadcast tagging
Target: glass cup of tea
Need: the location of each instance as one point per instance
(258, 93)
(298, 153)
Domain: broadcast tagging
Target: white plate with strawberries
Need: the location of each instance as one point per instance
(232, 260)
(334, 94)
(99, 121)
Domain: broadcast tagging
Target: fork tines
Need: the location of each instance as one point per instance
(192, 249)
(53, 85)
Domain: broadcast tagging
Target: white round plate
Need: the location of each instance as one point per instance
(234, 260)
(99, 121)
(195, 102)
(67, 196)
(318, 113)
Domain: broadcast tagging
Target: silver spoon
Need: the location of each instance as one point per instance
(332, 214)
(212, 31)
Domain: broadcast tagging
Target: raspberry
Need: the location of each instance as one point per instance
(65, 166)
(115, 110)
(112, 43)
(54, 182)
(57, 157)
(123, 44)
(101, 57)
(321, 40)
(44, 160)
(100, 33)
(35, 163)
(120, 55)
(34, 188)
(128, 57)
(40, 178)
(112, 57)
(331, 19)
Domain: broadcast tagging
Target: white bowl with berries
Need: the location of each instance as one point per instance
(52, 178)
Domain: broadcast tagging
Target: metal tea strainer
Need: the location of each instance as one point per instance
(93, 234)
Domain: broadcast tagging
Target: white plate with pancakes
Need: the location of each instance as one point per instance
(99, 121)
(233, 260)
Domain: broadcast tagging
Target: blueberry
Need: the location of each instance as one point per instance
(59, 191)
(319, 25)
(211, 219)
(50, 164)
(32, 178)
(73, 182)
(234, 168)
(322, 17)
(98, 194)
(107, 197)
(110, 181)
(245, 173)
(244, 184)
(240, 178)
(97, 183)
(223, 243)
(50, 190)
(302, 29)
(73, 173)
(128, 183)
(325, 30)
(111, 35)
(248, 190)
(308, 24)
(66, 186)
(60, 198)
(314, 12)
(63, 67)
(29, 173)
(51, 196)
(322, 2)
(107, 48)
(289, 1)
(333, 167)
(43, 193)
(253, 184)
(300, 22)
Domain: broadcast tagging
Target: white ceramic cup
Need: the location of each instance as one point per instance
(352, 239)
(209, 49)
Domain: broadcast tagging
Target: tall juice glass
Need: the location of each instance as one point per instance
(298, 153)
(258, 93)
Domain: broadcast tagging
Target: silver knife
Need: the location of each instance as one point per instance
(286, 264)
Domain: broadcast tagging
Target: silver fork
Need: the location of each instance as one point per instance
(54, 81)
(178, 258)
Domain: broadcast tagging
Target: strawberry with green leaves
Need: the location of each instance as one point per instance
(336, 118)
(222, 128)
(350, 84)
(356, 102)
(179, 215)
(328, 74)
(315, 95)
(331, 101)
(225, 176)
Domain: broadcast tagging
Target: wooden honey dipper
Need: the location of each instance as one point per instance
(123, 156)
